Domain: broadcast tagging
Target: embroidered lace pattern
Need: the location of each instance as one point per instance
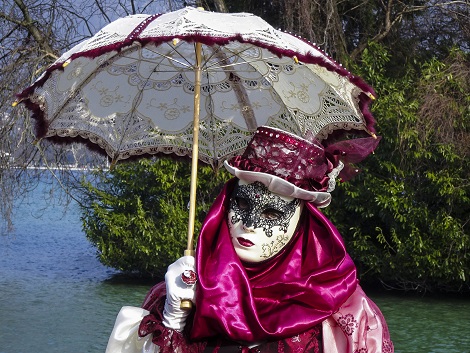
(306, 342)
(130, 88)
(257, 199)
(348, 324)
(168, 340)
(300, 162)
(362, 322)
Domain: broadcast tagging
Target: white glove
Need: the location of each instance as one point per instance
(176, 290)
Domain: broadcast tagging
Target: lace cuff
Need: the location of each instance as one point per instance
(168, 340)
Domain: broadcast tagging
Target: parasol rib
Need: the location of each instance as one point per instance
(240, 93)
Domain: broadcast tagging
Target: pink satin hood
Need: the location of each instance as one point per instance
(299, 288)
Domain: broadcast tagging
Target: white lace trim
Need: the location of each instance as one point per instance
(333, 175)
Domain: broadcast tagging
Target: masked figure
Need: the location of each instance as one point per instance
(273, 274)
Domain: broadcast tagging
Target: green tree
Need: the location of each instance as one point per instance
(406, 217)
(137, 215)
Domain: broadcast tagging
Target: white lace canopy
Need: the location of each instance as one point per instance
(130, 88)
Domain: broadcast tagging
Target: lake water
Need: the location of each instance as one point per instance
(55, 296)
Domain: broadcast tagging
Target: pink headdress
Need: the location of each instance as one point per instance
(293, 166)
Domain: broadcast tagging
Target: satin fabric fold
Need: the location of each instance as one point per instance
(282, 297)
(358, 326)
(125, 335)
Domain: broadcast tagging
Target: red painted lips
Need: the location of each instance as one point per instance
(245, 242)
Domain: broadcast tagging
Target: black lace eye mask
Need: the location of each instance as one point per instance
(257, 207)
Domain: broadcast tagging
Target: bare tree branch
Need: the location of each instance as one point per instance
(29, 24)
(394, 14)
(103, 13)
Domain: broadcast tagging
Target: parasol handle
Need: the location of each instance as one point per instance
(187, 304)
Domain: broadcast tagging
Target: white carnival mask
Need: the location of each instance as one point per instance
(261, 223)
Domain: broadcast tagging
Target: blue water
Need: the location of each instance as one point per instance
(427, 325)
(55, 296)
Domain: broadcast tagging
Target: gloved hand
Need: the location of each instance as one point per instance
(173, 316)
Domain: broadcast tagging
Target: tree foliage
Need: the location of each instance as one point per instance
(137, 214)
(406, 217)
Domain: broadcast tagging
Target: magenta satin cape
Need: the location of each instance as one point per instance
(279, 298)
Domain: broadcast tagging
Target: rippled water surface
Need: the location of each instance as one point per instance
(55, 296)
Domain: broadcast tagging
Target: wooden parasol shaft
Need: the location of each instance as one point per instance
(187, 304)
(195, 151)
